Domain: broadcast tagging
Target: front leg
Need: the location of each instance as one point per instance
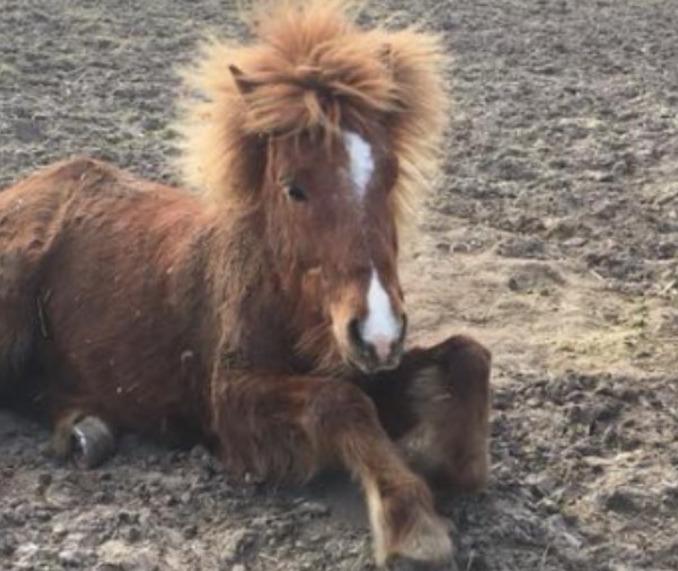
(436, 405)
(289, 428)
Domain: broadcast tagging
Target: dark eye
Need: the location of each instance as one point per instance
(296, 193)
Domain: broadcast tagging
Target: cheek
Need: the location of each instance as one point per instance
(313, 289)
(303, 236)
(383, 243)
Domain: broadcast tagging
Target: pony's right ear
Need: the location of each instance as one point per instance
(242, 82)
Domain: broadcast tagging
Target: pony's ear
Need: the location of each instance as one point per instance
(415, 61)
(242, 82)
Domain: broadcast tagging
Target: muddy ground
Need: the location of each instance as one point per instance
(553, 237)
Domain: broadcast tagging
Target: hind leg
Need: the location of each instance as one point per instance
(16, 341)
(86, 439)
(436, 405)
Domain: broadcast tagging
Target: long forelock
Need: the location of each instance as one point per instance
(311, 69)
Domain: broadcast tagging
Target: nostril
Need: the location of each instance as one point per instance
(354, 333)
(403, 327)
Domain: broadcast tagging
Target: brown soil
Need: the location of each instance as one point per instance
(552, 237)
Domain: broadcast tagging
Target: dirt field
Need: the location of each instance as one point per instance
(553, 237)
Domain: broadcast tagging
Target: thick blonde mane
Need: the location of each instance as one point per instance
(312, 68)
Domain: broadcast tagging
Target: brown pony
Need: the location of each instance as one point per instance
(264, 313)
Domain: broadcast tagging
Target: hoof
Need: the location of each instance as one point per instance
(427, 547)
(92, 442)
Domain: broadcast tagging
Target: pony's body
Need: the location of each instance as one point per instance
(143, 302)
(263, 315)
(135, 295)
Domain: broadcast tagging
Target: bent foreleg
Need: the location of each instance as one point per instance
(290, 428)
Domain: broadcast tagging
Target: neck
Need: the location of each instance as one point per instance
(264, 306)
(300, 298)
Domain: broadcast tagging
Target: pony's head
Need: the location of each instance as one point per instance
(328, 130)
(331, 217)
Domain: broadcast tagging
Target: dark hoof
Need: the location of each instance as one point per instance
(92, 442)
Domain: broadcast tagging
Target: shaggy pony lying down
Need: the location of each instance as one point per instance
(262, 314)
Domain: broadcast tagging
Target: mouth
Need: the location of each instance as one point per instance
(368, 365)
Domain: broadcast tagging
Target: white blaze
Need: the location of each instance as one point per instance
(381, 328)
(361, 162)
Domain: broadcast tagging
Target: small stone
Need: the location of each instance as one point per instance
(190, 531)
(315, 509)
(125, 518)
(60, 530)
(522, 248)
(575, 414)
(103, 497)
(42, 515)
(607, 411)
(133, 534)
(152, 124)
(623, 167)
(610, 437)
(235, 543)
(6, 547)
(170, 500)
(44, 480)
(575, 242)
(667, 250)
(621, 500)
(527, 224)
(68, 557)
(670, 495)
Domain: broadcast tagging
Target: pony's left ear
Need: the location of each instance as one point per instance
(416, 61)
(242, 82)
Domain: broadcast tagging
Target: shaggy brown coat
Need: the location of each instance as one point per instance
(163, 311)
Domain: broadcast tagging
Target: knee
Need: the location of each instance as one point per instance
(466, 365)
